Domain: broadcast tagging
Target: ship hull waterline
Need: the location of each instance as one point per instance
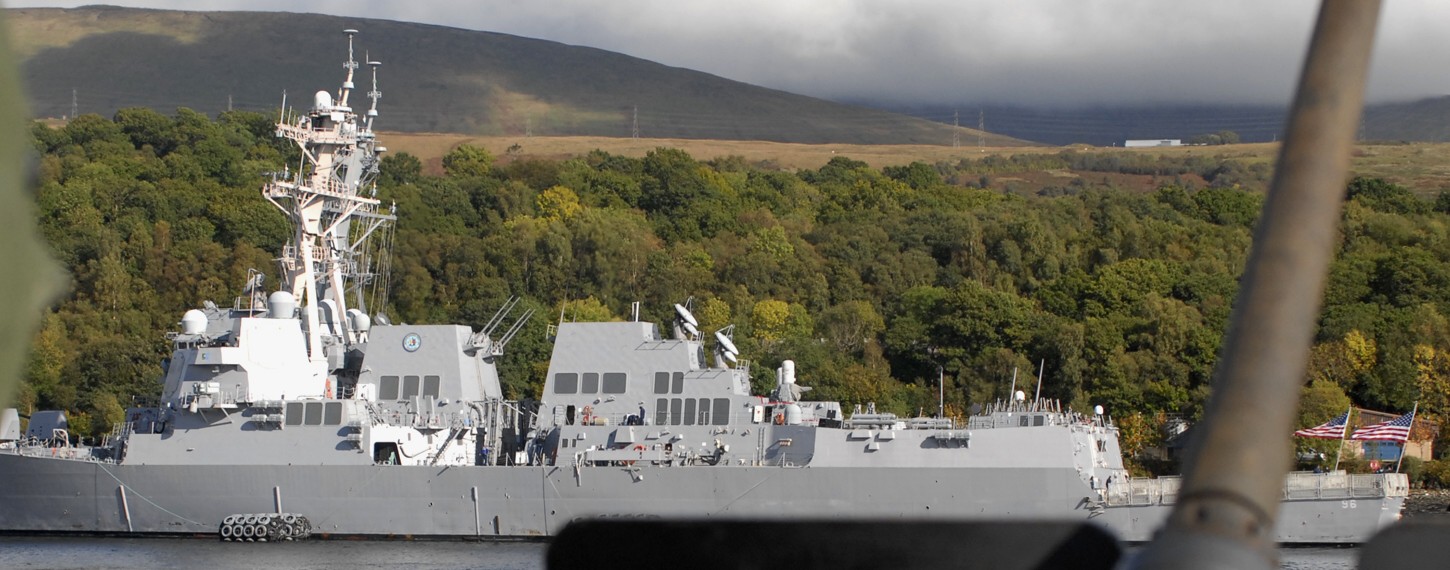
(43, 495)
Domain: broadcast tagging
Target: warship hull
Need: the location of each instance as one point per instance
(52, 495)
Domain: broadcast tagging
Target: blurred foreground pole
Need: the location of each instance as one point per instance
(28, 277)
(1234, 476)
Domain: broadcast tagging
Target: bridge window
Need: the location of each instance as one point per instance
(591, 383)
(1022, 421)
(677, 383)
(389, 389)
(332, 413)
(313, 414)
(614, 382)
(722, 411)
(662, 382)
(689, 411)
(1037, 420)
(675, 411)
(566, 383)
(410, 386)
(294, 412)
(662, 410)
(430, 386)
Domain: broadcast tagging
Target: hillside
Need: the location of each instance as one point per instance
(1422, 120)
(434, 79)
(1425, 120)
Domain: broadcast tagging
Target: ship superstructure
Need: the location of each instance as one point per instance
(306, 403)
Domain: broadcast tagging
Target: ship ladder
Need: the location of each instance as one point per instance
(452, 433)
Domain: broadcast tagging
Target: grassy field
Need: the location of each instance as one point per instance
(1423, 167)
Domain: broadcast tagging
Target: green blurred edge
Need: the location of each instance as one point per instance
(29, 278)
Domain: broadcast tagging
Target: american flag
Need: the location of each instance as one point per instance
(1397, 429)
(1334, 429)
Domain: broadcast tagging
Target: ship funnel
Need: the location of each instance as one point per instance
(281, 305)
(193, 322)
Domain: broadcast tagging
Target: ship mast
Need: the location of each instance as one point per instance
(331, 218)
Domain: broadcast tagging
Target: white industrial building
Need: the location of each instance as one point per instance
(1153, 142)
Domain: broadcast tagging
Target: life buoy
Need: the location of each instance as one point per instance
(588, 415)
(327, 389)
(637, 447)
(780, 419)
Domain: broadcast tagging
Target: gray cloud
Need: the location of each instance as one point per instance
(1042, 52)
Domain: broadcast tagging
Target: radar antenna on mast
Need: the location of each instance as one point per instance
(349, 65)
(374, 95)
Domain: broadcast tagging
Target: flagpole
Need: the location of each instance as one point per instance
(1338, 453)
(1406, 444)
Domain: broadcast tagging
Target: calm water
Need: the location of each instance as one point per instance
(160, 554)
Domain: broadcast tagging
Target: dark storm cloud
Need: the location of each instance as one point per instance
(1047, 52)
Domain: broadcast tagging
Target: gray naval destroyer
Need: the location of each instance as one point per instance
(297, 411)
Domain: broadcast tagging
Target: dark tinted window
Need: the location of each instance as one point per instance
(675, 411)
(430, 386)
(591, 383)
(1037, 420)
(721, 414)
(567, 383)
(704, 412)
(662, 382)
(332, 413)
(614, 382)
(662, 412)
(389, 389)
(410, 386)
(294, 412)
(689, 411)
(677, 384)
(313, 416)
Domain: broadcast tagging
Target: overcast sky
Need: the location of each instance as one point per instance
(1031, 52)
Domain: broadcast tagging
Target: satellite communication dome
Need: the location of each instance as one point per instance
(793, 414)
(1020, 396)
(358, 320)
(281, 305)
(193, 322)
(1097, 410)
(321, 101)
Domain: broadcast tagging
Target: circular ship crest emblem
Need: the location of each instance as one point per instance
(412, 342)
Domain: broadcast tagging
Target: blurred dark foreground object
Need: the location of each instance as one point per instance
(833, 545)
(1406, 545)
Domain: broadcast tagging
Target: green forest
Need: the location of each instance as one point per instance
(872, 280)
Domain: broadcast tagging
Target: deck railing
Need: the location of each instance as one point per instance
(1297, 487)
